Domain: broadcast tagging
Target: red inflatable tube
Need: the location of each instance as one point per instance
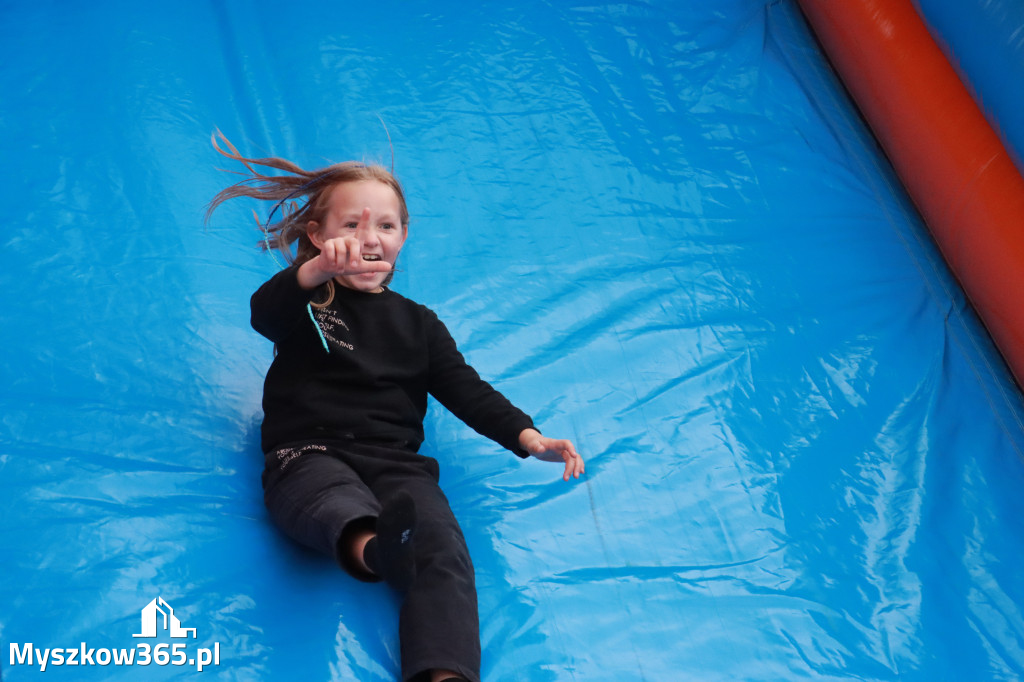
(952, 163)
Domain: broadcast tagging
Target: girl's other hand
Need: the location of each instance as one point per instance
(553, 450)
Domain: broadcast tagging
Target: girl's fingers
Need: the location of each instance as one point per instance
(327, 254)
(354, 251)
(577, 466)
(551, 450)
(355, 245)
(343, 256)
(336, 253)
(573, 462)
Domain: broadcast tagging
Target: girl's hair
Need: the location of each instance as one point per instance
(288, 190)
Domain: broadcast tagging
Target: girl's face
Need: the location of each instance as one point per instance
(369, 212)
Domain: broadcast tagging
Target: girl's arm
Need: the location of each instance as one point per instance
(553, 450)
(460, 389)
(279, 305)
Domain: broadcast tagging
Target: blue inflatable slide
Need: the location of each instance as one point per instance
(661, 228)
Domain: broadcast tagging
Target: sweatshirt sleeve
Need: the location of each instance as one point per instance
(279, 305)
(458, 387)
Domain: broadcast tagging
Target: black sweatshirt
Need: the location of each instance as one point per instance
(364, 369)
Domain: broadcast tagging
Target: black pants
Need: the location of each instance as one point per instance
(319, 492)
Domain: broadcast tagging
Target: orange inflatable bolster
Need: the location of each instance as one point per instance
(952, 163)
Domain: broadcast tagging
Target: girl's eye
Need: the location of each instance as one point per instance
(387, 226)
(351, 226)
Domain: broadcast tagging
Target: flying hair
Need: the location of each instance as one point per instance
(390, 146)
(300, 195)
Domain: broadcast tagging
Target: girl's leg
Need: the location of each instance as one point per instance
(439, 621)
(356, 548)
(319, 501)
(388, 549)
(322, 502)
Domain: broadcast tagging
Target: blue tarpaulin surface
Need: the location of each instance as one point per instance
(984, 41)
(658, 227)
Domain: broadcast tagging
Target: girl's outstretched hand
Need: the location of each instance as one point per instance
(340, 254)
(553, 450)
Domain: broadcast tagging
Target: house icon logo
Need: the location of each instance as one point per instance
(158, 615)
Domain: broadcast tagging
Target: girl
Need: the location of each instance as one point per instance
(345, 397)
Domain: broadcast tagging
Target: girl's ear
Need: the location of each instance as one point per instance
(313, 232)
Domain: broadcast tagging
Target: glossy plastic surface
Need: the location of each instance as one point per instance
(658, 227)
(984, 41)
(953, 164)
